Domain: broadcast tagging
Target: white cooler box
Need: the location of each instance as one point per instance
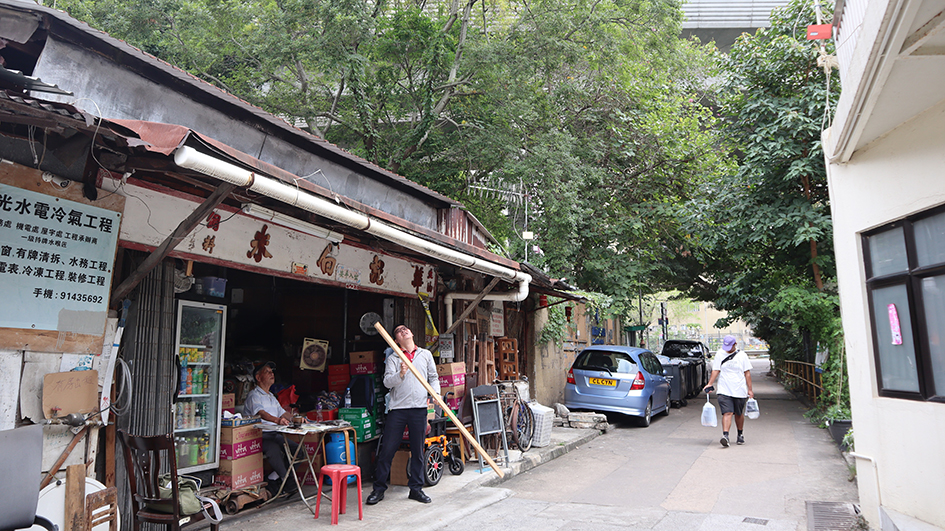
(544, 418)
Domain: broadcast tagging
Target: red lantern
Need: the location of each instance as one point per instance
(542, 301)
(567, 313)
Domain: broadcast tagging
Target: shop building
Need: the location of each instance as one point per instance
(301, 246)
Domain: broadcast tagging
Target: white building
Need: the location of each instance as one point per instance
(886, 155)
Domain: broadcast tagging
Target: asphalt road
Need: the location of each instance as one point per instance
(675, 475)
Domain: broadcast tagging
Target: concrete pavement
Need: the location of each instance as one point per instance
(454, 498)
(673, 475)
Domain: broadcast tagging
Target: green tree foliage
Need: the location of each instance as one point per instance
(763, 233)
(591, 111)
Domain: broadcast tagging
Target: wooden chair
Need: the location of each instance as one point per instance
(102, 507)
(143, 457)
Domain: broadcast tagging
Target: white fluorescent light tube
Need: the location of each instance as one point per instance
(278, 218)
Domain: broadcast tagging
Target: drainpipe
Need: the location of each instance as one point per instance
(187, 157)
(512, 296)
(879, 499)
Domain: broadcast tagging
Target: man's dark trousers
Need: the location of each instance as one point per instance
(272, 446)
(415, 420)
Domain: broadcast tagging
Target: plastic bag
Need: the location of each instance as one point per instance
(751, 409)
(710, 416)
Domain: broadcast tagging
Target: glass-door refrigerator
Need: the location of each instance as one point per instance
(201, 329)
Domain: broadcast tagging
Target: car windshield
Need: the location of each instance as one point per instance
(601, 360)
(681, 350)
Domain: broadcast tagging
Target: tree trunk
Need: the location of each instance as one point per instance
(818, 281)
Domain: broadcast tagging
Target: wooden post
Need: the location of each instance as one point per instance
(438, 398)
(75, 498)
(110, 455)
(62, 459)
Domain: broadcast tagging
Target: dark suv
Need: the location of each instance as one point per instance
(694, 351)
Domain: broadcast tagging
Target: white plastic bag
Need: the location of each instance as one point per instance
(710, 416)
(751, 409)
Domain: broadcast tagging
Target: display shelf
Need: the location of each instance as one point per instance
(201, 336)
(184, 430)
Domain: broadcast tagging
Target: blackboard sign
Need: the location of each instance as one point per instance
(487, 411)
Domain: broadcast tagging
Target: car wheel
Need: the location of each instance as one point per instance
(647, 415)
(665, 412)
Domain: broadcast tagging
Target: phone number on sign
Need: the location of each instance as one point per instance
(80, 297)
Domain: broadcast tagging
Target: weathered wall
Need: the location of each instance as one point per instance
(898, 175)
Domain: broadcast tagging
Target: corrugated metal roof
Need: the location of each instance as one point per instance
(81, 34)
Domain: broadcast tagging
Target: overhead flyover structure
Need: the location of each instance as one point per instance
(723, 21)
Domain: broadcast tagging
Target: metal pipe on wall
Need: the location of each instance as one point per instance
(187, 157)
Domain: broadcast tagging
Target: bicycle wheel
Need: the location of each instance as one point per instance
(525, 427)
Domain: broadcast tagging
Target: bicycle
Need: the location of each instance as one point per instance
(518, 416)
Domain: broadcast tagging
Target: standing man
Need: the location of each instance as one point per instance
(261, 402)
(733, 370)
(408, 409)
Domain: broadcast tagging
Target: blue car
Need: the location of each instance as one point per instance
(618, 379)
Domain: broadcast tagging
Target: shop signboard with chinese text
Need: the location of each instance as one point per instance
(253, 244)
(57, 251)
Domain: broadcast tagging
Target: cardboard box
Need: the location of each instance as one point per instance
(454, 403)
(366, 433)
(239, 442)
(398, 467)
(243, 472)
(229, 423)
(229, 402)
(354, 413)
(341, 370)
(302, 469)
(362, 423)
(449, 380)
(458, 391)
(366, 356)
(447, 369)
(366, 368)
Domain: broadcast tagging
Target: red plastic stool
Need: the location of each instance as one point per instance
(339, 495)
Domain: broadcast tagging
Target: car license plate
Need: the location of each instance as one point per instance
(603, 381)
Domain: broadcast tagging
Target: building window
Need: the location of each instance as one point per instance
(905, 281)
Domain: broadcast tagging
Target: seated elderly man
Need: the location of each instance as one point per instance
(263, 403)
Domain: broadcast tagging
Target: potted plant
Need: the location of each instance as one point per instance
(837, 419)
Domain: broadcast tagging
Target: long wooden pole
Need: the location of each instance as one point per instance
(439, 400)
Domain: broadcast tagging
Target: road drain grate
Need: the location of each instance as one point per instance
(759, 521)
(831, 516)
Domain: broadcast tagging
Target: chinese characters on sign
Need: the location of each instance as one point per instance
(55, 262)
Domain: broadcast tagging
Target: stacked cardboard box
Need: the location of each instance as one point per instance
(452, 380)
(241, 458)
(398, 467)
(362, 420)
(338, 378)
(367, 362)
(311, 443)
(228, 402)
